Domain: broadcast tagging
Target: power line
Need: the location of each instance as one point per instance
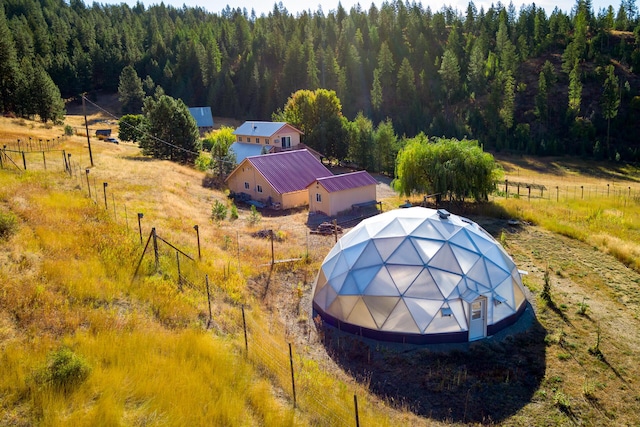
(141, 131)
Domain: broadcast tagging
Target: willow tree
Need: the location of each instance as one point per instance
(449, 167)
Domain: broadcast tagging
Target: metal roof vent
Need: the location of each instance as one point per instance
(443, 214)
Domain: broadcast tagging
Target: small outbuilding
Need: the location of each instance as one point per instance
(338, 193)
(419, 276)
(204, 118)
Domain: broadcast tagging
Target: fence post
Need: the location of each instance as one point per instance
(355, 402)
(155, 248)
(244, 326)
(44, 159)
(2, 164)
(179, 273)
(104, 189)
(273, 259)
(206, 277)
(293, 381)
(506, 188)
(24, 161)
(88, 183)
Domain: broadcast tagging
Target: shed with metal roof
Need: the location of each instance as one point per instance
(338, 193)
(278, 134)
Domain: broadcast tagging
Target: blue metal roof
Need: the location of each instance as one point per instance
(203, 116)
(244, 150)
(261, 129)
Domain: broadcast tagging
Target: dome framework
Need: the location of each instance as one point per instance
(420, 276)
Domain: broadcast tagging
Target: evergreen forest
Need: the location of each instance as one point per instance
(519, 81)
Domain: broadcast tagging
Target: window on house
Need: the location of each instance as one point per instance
(259, 188)
(257, 140)
(246, 185)
(318, 197)
(248, 139)
(286, 141)
(239, 139)
(266, 141)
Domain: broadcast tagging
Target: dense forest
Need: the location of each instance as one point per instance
(516, 80)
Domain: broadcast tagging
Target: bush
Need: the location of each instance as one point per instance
(8, 224)
(218, 211)
(234, 211)
(203, 162)
(65, 370)
(255, 216)
(68, 130)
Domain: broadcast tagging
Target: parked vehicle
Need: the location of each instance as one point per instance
(114, 140)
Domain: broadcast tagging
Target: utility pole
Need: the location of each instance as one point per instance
(86, 126)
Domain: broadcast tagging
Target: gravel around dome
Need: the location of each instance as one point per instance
(418, 275)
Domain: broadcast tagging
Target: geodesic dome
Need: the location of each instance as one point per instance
(418, 275)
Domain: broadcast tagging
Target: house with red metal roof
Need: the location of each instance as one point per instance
(277, 180)
(331, 195)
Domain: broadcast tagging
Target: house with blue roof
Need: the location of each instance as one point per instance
(281, 135)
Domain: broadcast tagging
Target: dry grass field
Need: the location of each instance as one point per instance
(83, 343)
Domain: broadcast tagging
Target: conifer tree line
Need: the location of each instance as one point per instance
(518, 80)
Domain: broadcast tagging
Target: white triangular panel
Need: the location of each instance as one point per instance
(446, 260)
(496, 255)
(424, 287)
(380, 307)
(337, 281)
(393, 229)
(360, 316)
(353, 253)
(340, 267)
(357, 236)
(325, 297)
(441, 325)
(368, 257)
(427, 230)
(406, 254)
(350, 286)
(427, 248)
(457, 308)
(478, 273)
(518, 295)
(342, 306)
(466, 259)
(462, 239)
(481, 241)
(505, 290)
(496, 274)
(404, 275)
(363, 277)
(382, 285)
(423, 310)
(445, 280)
(401, 320)
(445, 228)
(386, 247)
(410, 224)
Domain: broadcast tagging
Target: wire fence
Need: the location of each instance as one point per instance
(274, 356)
(564, 193)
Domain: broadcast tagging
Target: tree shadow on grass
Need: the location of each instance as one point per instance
(485, 381)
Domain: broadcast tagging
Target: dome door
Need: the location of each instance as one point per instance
(478, 319)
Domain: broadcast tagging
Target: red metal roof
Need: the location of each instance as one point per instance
(346, 181)
(289, 171)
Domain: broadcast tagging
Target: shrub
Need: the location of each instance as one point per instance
(68, 130)
(218, 211)
(234, 211)
(65, 370)
(255, 216)
(203, 162)
(8, 224)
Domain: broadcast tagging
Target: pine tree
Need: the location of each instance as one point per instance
(575, 90)
(130, 91)
(48, 102)
(610, 100)
(9, 69)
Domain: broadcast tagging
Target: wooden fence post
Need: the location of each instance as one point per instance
(293, 381)
(355, 402)
(206, 277)
(244, 326)
(179, 273)
(155, 248)
(44, 160)
(24, 160)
